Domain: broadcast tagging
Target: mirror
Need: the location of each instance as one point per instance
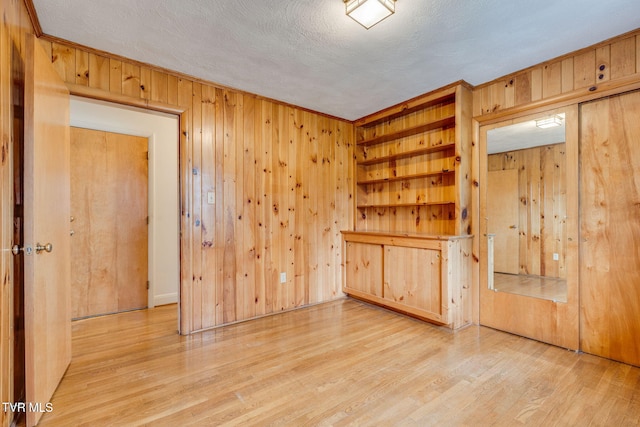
(527, 208)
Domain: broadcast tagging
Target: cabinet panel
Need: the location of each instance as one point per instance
(410, 275)
(425, 276)
(364, 268)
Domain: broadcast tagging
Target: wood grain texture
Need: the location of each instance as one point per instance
(133, 369)
(109, 203)
(542, 199)
(589, 73)
(503, 220)
(609, 234)
(46, 221)
(277, 174)
(412, 164)
(364, 267)
(14, 27)
(426, 276)
(545, 320)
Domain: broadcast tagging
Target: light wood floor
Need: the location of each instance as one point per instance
(550, 288)
(340, 363)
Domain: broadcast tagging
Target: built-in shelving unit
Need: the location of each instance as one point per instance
(410, 249)
(413, 167)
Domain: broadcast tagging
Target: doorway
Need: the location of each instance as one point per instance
(162, 132)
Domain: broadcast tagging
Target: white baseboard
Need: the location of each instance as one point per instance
(164, 299)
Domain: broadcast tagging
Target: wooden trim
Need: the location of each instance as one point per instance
(102, 95)
(602, 90)
(440, 319)
(33, 17)
(179, 75)
(394, 239)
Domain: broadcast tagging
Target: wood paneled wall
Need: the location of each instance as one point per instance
(15, 25)
(588, 73)
(280, 178)
(542, 215)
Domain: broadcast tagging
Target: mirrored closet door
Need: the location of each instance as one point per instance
(529, 223)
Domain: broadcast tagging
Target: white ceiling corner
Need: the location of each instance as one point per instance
(309, 53)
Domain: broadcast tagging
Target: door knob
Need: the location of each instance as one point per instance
(48, 248)
(16, 249)
(513, 227)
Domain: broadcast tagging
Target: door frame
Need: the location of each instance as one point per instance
(544, 320)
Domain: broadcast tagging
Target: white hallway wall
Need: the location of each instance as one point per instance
(164, 219)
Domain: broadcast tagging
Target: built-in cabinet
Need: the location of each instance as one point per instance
(428, 277)
(411, 249)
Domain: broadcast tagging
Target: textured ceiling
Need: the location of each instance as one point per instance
(308, 53)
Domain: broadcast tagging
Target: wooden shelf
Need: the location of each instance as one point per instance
(406, 154)
(446, 122)
(406, 205)
(406, 177)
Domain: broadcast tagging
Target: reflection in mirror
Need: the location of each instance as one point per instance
(526, 208)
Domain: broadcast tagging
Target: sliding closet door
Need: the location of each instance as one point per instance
(610, 228)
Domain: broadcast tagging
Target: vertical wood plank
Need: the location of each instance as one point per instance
(130, 80)
(523, 88)
(115, 76)
(209, 224)
(159, 87)
(238, 197)
(64, 61)
(567, 75)
(229, 210)
(220, 244)
(145, 83)
(98, 72)
(185, 95)
(603, 64)
(536, 84)
(552, 79)
(248, 198)
(82, 68)
(196, 208)
(297, 156)
(270, 222)
(259, 205)
(623, 58)
(584, 65)
(172, 90)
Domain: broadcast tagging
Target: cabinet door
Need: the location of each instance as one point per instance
(364, 268)
(413, 277)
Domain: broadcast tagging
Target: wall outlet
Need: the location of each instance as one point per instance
(556, 257)
(211, 197)
(283, 277)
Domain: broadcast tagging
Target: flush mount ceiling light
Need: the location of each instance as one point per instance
(549, 122)
(369, 12)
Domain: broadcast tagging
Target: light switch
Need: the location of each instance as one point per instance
(211, 197)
